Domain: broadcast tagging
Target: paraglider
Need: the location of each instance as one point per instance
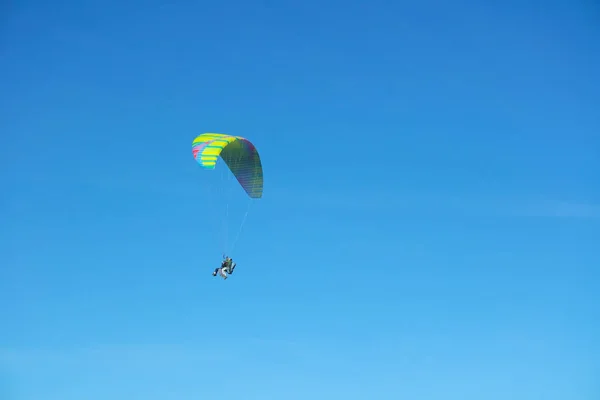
(243, 161)
(227, 267)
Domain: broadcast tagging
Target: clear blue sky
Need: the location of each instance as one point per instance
(430, 225)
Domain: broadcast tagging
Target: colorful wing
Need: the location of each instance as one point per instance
(239, 154)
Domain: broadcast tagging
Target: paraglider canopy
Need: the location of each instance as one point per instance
(239, 154)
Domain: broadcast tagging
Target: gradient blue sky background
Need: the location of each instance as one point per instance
(429, 228)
